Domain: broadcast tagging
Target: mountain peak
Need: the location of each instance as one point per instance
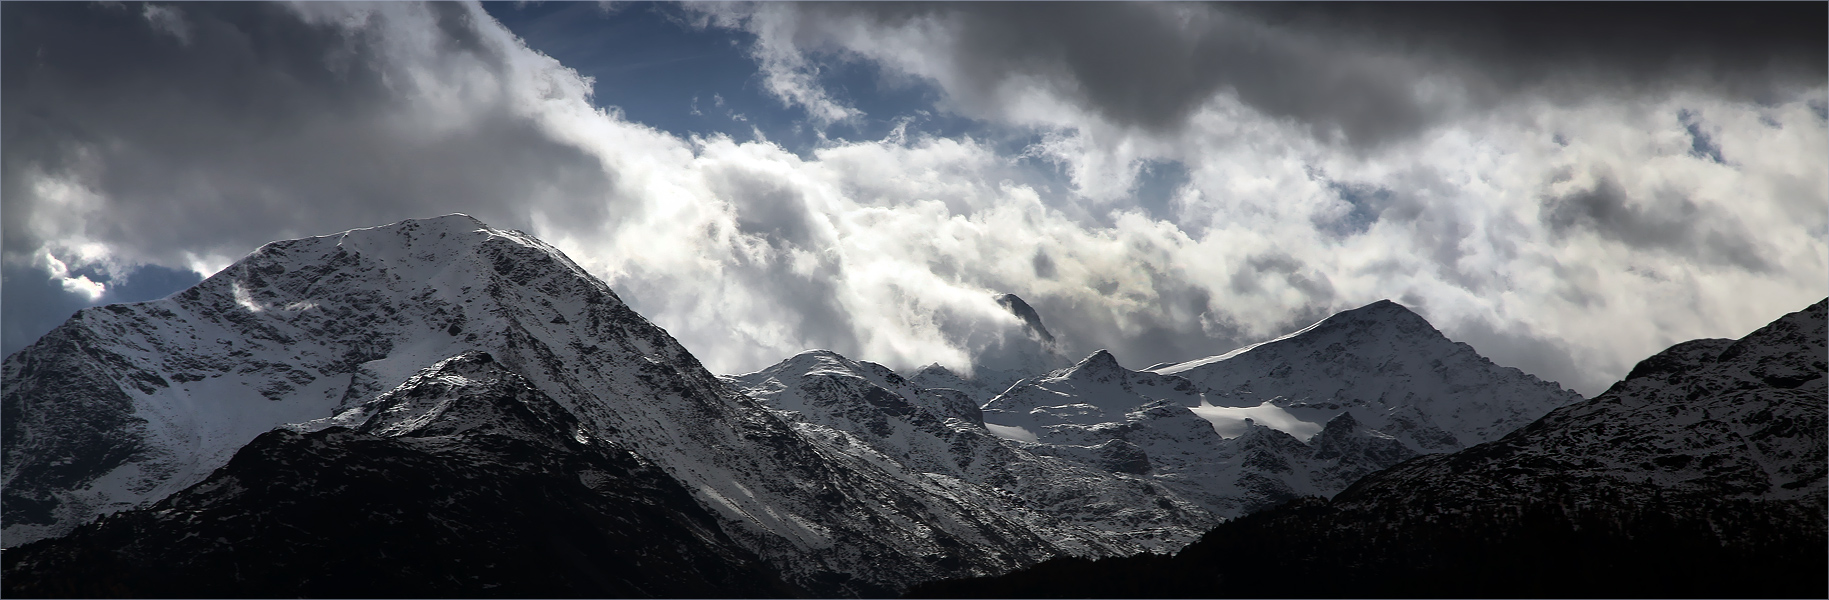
(817, 355)
(1385, 357)
(934, 369)
(817, 360)
(1031, 321)
(1098, 363)
(416, 232)
(463, 393)
(450, 220)
(1382, 311)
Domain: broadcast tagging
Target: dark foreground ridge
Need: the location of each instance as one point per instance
(497, 494)
(1700, 475)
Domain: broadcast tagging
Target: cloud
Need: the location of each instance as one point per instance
(168, 19)
(266, 122)
(1367, 74)
(1569, 235)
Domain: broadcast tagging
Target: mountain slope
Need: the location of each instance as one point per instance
(1305, 414)
(1108, 417)
(304, 329)
(1702, 474)
(937, 437)
(464, 481)
(1385, 364)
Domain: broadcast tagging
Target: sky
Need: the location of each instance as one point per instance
(1568, 188)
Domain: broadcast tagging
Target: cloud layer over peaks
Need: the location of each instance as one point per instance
(1193, 178)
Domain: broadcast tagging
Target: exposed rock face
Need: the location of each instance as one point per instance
(937, 439)
(1031, 321)
(1702, 474)
(126, 404)
(464, 481)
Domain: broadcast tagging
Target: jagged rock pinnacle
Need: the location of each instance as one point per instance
(1032, 322)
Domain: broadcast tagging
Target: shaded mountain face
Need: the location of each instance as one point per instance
(464, 481)
(1702, 474)
(937, 439)
(126, 404)
(1706, 419)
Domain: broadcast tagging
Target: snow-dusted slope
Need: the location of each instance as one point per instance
(465, 481)
(936, 438)
(124, 404)
(1105, 416)
(1702, 474)
(1384, 364)
(1708, 418)
(1305, 414)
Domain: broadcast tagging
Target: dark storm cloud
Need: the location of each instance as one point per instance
(1738, 47)
(1672, 224)
(1043, 265)
(1351, 68)
(261, 124)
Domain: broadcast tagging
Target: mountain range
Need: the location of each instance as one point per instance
(126, 404)
(438, 407)
(1701, 474)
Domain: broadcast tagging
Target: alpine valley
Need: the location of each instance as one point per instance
(440, 408)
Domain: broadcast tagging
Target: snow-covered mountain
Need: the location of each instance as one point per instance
(1384, 364)
(465, 480)
(1304, 414)
(937, 438)
(126, 404)
(1704, 473)
(1709, 418)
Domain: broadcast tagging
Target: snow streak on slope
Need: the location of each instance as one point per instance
(150, 397)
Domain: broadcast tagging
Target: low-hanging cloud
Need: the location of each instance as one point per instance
(127, 145)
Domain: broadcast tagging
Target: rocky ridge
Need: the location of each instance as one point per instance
(1305, 414)
(1104, 416)
(937, 437)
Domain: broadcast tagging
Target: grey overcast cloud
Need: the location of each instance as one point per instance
(1568, 188)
